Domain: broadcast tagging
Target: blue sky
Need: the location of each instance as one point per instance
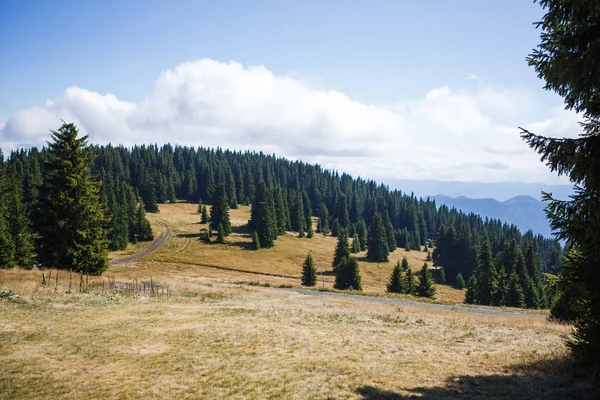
(391, 55)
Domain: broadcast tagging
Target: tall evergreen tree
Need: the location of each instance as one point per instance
(486, 275)
(361, 230)
(7, 247)
(342, 250)
(204, 219)
(355, 244)
(262, 216)
(219, 212)
(70, 220)
(309, 272)
(459, 282)
(425, 287)
(348, 275)
(220, 234)
(396, 284)
(377, 248)
(568, 60)
(410, 284)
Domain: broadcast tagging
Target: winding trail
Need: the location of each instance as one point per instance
(164, 236)
(158, 241)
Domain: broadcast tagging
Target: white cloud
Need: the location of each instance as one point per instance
(448, 134)
(472, 77)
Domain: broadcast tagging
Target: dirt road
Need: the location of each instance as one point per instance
(158, 241)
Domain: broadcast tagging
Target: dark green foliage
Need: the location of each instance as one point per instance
(262, 216)
(425, 286)
(472, 295)
(204, 219)
(7, 247)
(459, 282)
(348, 274)
(18, 224)
(335, 228)
(390, 233)
(361, 230)
(342, 251)
(199, 208)
(377, 242)
(309, 272)
(255, 241)
(486, 277)
(355, 244)
(323, 226)
(405, 265)
(442, 277)
(568, 60)
(397, 283)
(220, 234)
(428, 257)
(515, 296)
(410, 284)
(69, 217)
(143, 230)
(219, 212)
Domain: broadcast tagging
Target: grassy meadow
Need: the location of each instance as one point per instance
(216, 336)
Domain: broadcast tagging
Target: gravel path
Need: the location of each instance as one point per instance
(158, 241)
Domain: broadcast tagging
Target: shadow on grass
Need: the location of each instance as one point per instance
(190, 235)
(241, 229)
(552, 379)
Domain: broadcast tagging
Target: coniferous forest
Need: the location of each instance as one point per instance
(495, 259)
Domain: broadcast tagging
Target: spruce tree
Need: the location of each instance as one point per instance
(410, 284)
(309, 272)
(425, 287)
(143, 230)
(69, 216)
(311, 233)
(262, 216)
(390, 233)
(220, 234)
(472, 295)
(7, 247)
(199, 208)
(324, 221)
(204, 216)
(363, 234)
(442, 275)
(568, 60)
(342, 251)
(515, 296)
(355, 244)
(459, 282)
(219, 212)
(377, 242)
(348, 275)
(396, 284)
(486, 275)
(255, 241)
(405, 265)
(19, 227)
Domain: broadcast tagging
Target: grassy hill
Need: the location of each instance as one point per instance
(216, 335)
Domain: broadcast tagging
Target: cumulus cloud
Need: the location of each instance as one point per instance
(447, 134)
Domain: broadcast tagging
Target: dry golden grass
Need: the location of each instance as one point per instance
(218, 339)
(217, 336)
(284, 259)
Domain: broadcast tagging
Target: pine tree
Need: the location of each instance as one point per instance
(410, 284)
(7, 247)
(396, 284)
(355, 244)
(428, 257)
(262, 216)
(459, 282)
(335, 228)
(348, 275)
(515, 296)
(425, 287)
(20, 231)
(255, 241)
(143, 230)
(220, 234)
(219, 212)
(442, 275)
(311, 233)
(377, 248)
(567, 59)
(389, 231)
(472, 295)
(363, 234)
(309, 272)
(69, 216)
(342, 251)
(199, 208)
(405, 265)
(324, 221)
(486, 275)
(204, 216)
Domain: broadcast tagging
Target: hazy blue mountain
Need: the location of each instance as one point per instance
(523, 211)
(500, 191)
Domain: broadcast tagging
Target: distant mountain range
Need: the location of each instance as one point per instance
(523, 211)
(501, 191)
